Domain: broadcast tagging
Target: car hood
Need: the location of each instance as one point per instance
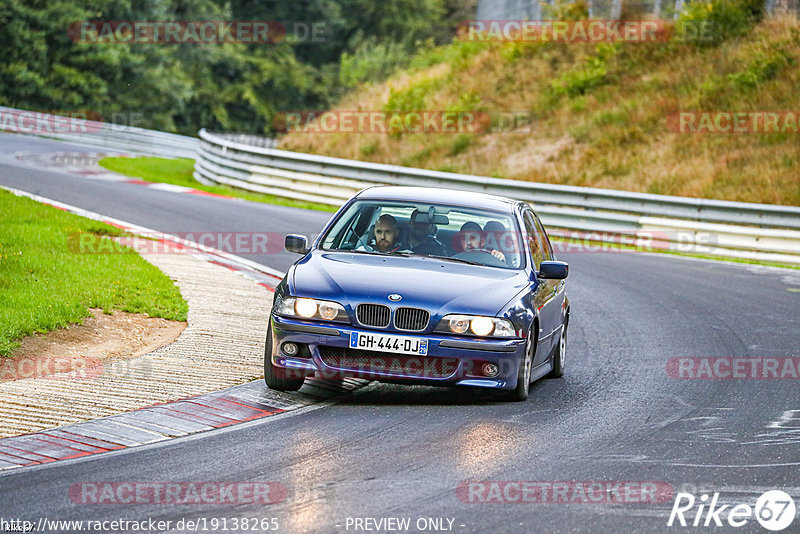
(439, 286)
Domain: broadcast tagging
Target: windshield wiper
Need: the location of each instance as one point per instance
(373, 252)
(349, 251)
(459, 260)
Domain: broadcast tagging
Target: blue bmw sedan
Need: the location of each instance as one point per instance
(426, 286)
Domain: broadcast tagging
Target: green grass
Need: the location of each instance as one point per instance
(179, 172)
(45, 285)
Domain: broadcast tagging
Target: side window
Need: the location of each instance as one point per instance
(533, 240)
(545, 240)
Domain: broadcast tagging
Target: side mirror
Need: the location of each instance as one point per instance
(296, 243)
(554, 270)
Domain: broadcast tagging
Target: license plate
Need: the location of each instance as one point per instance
(389, 343)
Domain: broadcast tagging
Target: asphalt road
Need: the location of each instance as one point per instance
(391, 451)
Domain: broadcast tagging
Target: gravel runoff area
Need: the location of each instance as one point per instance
(222, 346)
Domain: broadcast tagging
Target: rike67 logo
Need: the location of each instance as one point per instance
(774, 510)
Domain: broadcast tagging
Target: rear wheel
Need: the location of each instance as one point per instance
(275, 377)
(560, 356)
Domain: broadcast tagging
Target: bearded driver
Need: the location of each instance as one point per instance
(386, 234)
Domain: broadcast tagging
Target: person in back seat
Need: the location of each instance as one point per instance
(493, 235)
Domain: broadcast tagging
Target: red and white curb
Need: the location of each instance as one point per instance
(178, 189)
(201, 413)
(85, 164)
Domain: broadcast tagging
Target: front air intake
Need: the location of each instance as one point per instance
(411, 319)
(376, 315)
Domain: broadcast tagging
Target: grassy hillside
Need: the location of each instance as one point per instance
(599, 112)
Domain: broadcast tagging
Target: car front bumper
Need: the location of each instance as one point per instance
(451, 360)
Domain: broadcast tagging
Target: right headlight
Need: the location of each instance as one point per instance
(476, 325)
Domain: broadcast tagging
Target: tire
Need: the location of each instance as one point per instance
(560, 355)
(275, 377)
(520, 393)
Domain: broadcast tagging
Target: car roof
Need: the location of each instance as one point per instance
(452, 197)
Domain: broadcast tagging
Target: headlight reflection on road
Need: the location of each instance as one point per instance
(483, 447)
(308, 479)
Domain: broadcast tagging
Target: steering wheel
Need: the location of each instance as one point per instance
(481, 255)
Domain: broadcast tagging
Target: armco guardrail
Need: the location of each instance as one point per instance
(734, 229)
(127, 139)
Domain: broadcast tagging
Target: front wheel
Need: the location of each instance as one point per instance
(275, 377)
(520, 393)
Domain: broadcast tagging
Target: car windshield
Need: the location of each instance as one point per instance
(452, 233)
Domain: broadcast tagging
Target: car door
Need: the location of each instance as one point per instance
(545, 296)
(559, 293)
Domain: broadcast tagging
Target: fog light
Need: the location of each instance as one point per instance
(289, 349)
(490, 370)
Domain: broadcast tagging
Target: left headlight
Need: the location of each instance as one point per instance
(305, 308)
(476, 325)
